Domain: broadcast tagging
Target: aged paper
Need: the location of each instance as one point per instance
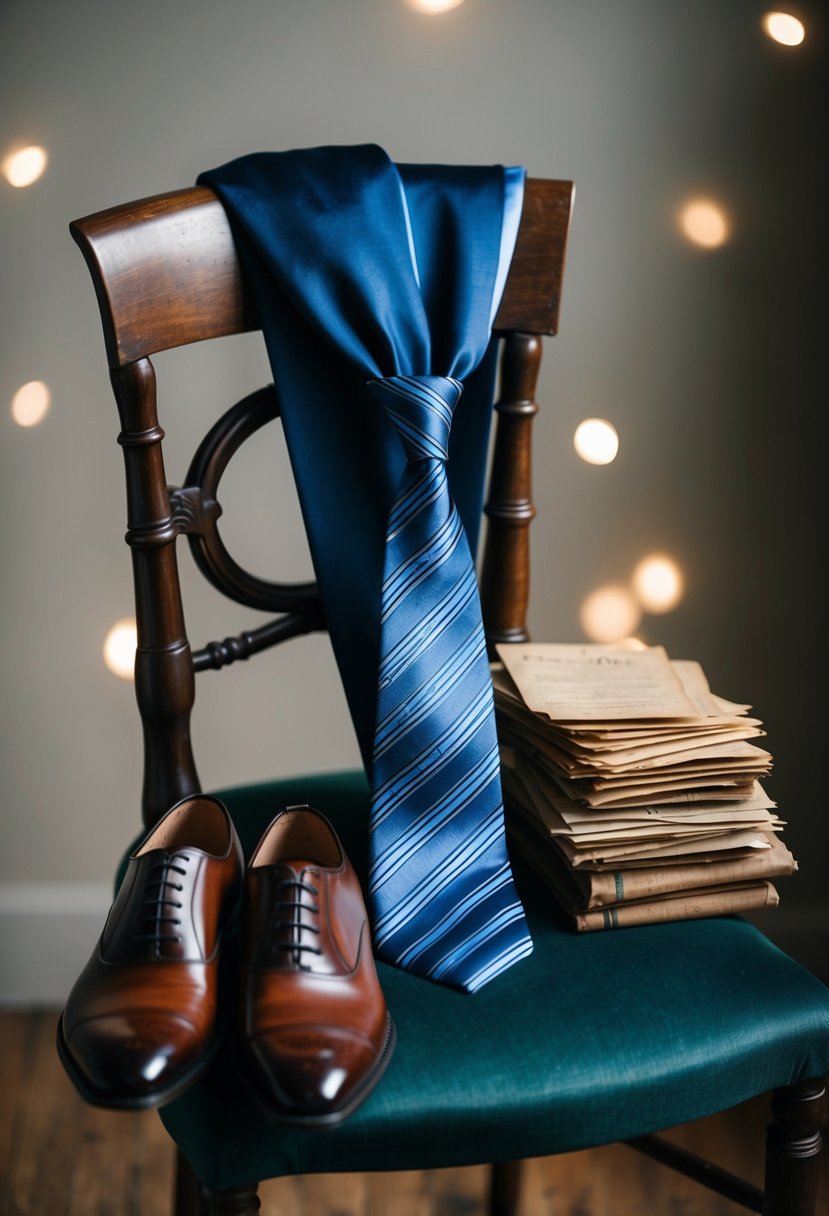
(631, 788)
(557, 815)
(688, 905)
(590, 887)
(653, 849)
(583, 682)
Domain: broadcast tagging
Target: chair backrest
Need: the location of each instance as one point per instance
(166, 274)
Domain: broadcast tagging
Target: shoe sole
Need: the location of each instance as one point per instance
(331, 1118)
(145, 1101)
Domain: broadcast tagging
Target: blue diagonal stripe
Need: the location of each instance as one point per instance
(454, 862)
(422, 564)
(440, 813)
(500, 920)
(435, 755)
(421, 495)
(441, 887)
(438, 619)
(520, 947)
(425, 698)
(456, 914)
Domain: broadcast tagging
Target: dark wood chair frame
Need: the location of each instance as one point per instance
(166, 275)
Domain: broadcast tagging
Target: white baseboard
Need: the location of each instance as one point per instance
(48, 931)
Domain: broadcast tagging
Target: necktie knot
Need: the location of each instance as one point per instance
(421, 408)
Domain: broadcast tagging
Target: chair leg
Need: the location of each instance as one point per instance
(193, 1198)
(793, 1141)
(240, 1201)
(504, 1188)
(187, 1196)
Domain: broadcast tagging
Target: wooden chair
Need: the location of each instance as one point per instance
(604, 1037)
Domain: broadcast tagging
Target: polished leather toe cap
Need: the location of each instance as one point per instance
(313, 1072)
(129, 1058)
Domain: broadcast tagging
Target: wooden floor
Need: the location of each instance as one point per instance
(59, 1157)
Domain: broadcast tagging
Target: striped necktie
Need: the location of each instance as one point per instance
(366, 271)
(441, 888)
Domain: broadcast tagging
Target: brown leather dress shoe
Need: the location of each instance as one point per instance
(316, 1033)
(141, 1022)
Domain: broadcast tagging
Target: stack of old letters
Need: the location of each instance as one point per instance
(631, 788)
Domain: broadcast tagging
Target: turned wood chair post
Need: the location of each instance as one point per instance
(164, 678)
(504, 1188)
(193, 1198)
(187, 1195)
(505, 574)
(793, 1143)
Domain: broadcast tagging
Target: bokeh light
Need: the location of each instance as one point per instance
(31, 403)
(704, 223)
(609, 614)
(596, 440)
(25, 165)
(433, 6)
(632, 643)
(119, 648)
(658, 583)
(784, 28)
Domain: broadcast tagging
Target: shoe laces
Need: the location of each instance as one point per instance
(156, 915)
(288, 916)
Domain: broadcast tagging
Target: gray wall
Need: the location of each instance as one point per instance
(711, 365)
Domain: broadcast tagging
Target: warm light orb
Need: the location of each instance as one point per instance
(31, 402)
(632, 643)
(25, 165)
(434, 6)
(596, 440)
(119, 648)
(609, 614)
(704, 223)
(658, 583)
(784, 28)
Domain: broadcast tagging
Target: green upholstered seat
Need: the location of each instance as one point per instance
(594, 1038)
